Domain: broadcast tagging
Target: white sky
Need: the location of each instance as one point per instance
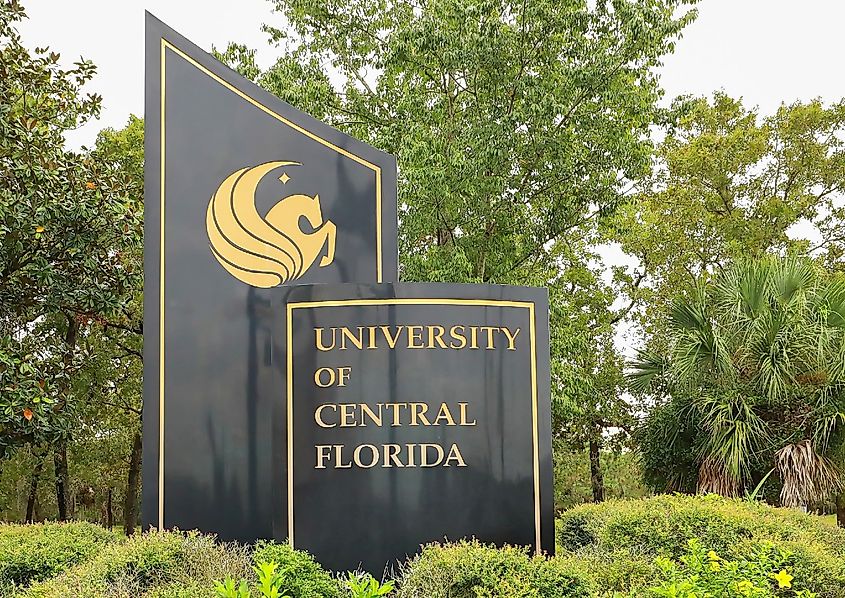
(766, 51)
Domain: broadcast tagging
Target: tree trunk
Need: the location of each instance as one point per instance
(60, 456)
(840, 510)
(596, 478)
(130, 506)
(60, 462)
(109, 511)
(33, 491)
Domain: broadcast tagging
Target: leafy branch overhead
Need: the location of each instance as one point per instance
(514, 123)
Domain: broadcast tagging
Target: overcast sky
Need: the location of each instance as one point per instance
(766, 51)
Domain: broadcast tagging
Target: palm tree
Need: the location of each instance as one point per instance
(757, 357)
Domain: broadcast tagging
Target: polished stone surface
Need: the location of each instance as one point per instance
(363, 492)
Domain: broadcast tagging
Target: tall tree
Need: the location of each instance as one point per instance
(119, 392)
(514, 123)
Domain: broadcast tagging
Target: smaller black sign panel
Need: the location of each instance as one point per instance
(415, 413)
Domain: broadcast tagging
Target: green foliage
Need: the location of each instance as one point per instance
(70, 275)
(65, 219)
(754, 360)
(229, 589)
(301, 576)
(269, 580)
(628, 535)
(647, 547)
(668, 445)
(161, 565)
(512, 121)
(364, 585)
(268, 584)
(763, 572)
(31, 553)
(728, 185)
(621, 472)
(471, 569)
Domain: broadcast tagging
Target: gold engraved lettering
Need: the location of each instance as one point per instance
(455, 453)
(415, 337)
(511, 338)
(318, 415)
(457, 337)
(464, 418)
(418, 410)
(358, 341)
(319, 340)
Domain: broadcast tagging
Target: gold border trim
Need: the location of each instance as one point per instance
(164, 45)
(460, 302)
(161, 300)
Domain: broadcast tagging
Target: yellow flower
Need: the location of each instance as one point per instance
(712, 556)
(90, 185)
(784, 579)
(715, 566)
(39, 229)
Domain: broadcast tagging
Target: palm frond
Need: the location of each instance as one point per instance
(702, 353)
(734, 431)
(687, 315)
(751, 285)
(830, 406)
(791, 277)
(806, 475)
(644, 370)
(832, 303)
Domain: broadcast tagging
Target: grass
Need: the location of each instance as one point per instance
(828, 519)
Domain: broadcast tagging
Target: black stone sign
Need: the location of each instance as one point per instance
(243, 193)
(413, 413)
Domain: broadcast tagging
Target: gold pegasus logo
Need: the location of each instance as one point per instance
(266, 252)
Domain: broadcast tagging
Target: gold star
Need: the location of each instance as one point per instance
(284, 178)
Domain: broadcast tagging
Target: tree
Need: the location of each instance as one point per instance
(728, 185)
(514, 124)
(66, 229)
(590, 412)
(756, 363)
(118, 392)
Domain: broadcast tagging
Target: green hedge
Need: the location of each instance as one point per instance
(35, 552)
(617, 536)
(636, 548)
(474, 570)
(304, 577)
(160, 565)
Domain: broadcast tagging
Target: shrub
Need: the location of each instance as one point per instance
(155, 564)
(35, 552)
(364, 585)
(473, 570)
(764, 572)
(302, 576)
(638, 531)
